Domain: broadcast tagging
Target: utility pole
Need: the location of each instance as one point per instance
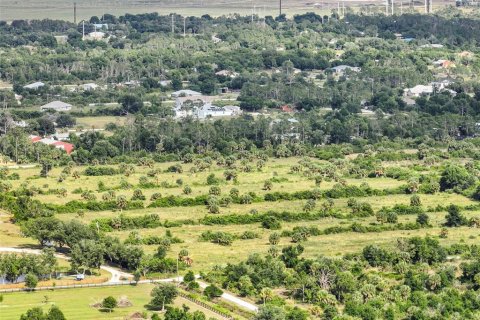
(75, 12)
(393, 8)
(83, 29)
(343, 9)
(173, 26)
(386, 7)
(184, 26)
(280, 8)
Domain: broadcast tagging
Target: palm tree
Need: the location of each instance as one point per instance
(121, 202)
(266, 294)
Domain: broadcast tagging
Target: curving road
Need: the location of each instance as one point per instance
(118, 274)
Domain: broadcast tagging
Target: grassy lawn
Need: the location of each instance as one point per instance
(76, 303)
(99, 122)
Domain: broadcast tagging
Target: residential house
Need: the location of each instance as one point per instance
(57, 106)
(89, 86)
(186, 93)
(67, 147)
(422, 90)
(227, 73)
(340, 70)
(100, 26)
(202, 107)
(96, 35)
(34, 86)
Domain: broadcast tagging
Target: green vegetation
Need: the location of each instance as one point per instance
(343, 185)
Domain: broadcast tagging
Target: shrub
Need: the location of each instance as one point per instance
(213, 291)
(271, 223)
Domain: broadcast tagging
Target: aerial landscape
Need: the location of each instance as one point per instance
(264, 160)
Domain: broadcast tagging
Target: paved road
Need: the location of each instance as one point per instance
(118, 274)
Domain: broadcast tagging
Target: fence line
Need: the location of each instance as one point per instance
(204, 305)
(113, 284)
(87, 285)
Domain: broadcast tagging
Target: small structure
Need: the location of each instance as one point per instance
(96, 35)
(164, 83)
(57, 106)
(432, 46)
(287, 109)
(80, 277)
(89, 86)
(101, 26)
(340, 70)
(186, 93)
(444, 64)
(227, 73)
(216, 39)
(34, 86)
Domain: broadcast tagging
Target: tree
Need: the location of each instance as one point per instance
(47, 165)
(274, 238)
(270, 313)
(266, 294)
(309, 205)
(189, 277)
(267, 185)
(109, 303)
(415, 201)
(454, 218)
(65, 120)
(162, 294)
(55, 314)
(121, 202)
(35, 313)
(454, 176)
(423, 219)
(131, 103)
(31, 281)
(213, 291)
(187, 190)
(87, 254)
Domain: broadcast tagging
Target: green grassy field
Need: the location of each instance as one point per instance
(76, 303)
(207, 255)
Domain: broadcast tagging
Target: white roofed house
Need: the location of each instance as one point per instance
(343, 68)
(201, 107)
(186, 93)
(418, 91)
(426, 90)
(96, 35)
(227, 73)
(34, 86)
(57, 106)
(89, 86)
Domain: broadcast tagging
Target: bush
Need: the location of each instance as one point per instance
(454, 217)
(100, 171)
(212, 180)
(109, 303)
(454, 176)
(271, 223)
(213, 291)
